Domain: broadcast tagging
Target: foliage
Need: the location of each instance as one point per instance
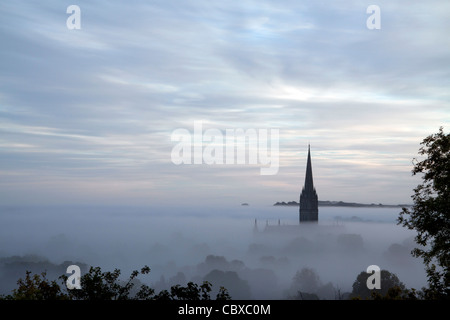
(192, 292)
(306, 280)
(306, 285)
(430, 214)
(397, 293)
(98, 285)
(231, 280)
(388, 280)
(36, 287)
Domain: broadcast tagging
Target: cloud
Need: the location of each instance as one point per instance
(105, 98)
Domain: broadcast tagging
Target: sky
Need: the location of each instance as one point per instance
(87, 115)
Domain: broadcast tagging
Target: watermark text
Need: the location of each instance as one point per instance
(236, 146)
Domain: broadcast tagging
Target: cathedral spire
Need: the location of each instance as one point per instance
(309, 185)
(309, 204)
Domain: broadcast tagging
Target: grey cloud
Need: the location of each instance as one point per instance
(111, 93)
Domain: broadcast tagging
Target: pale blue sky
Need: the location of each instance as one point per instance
(86, 115)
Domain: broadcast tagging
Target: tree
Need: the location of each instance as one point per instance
(387, 280)
(306, 280)
(306, 285)
(238, 287)
(192, 291)
(98, 285)
(36, 287)
(430, 213)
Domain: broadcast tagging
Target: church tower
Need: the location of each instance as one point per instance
(309, 204)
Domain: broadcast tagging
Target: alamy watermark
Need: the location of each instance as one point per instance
(74, 20)
(74, 280)
(230, 147)
(374, 280)
(374, 20)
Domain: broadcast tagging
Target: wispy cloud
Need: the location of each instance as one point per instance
(95, 107)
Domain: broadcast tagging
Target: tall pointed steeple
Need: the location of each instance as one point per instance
(309, 204)
(308, 177)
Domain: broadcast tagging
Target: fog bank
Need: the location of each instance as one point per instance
(216, 244)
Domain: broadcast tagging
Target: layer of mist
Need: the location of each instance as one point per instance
(215, 244)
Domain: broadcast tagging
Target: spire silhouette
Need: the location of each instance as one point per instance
(309, 184)
(309, 204)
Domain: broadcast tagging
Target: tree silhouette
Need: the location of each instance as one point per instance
(36, 287)
(306, 285)
(430, 214)
(388, 280)
(98, 285)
